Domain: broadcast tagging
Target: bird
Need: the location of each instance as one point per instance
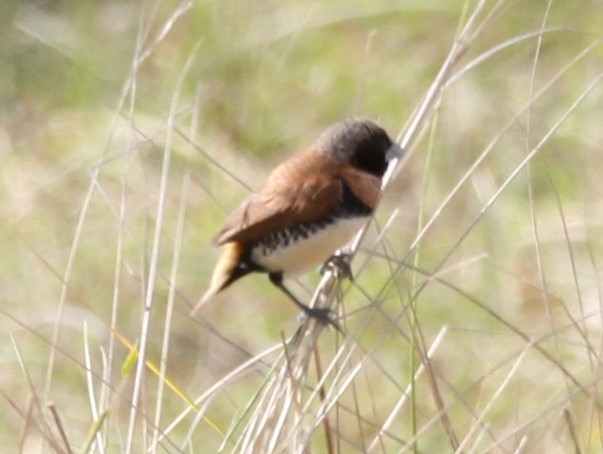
(310, 206)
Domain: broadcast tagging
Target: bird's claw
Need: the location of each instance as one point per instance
(324, 316)
(339, 264)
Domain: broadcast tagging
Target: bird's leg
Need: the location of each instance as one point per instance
(340, 264)
(323, 315)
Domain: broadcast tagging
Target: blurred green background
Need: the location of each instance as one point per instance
(94, 94)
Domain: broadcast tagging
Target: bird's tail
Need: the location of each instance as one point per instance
(225, 272)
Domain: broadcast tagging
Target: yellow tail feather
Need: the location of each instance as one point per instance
(223, 272)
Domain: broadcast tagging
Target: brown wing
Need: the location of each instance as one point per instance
(299, 190)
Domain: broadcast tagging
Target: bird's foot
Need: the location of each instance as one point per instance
(323, 315)
(339, 264)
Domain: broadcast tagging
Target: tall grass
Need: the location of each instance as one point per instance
(473, 322)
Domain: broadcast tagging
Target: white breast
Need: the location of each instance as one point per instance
(305, 254)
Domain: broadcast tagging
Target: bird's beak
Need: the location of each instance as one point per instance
(394, 152)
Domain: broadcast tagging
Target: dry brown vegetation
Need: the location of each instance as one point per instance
(474, 322)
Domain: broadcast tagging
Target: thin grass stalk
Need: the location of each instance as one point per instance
(90, 387)
(148, 299)
(170, 307)
(408, 391)
(176, 247)
(290, 383)
(59, 425)
(463, 446)
(65, 290)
